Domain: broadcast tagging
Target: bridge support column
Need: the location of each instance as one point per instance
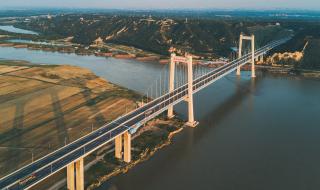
(261, 58)
(75, 175)
(118, 147)
(191, 122)
(171, 83)
(239, 54)
(127, 147)
(80, 174)
(253, 69)
(123, 143)
(70, 177)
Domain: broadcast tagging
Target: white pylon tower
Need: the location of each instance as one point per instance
(191, 122)
(239, 54)
(171, 82)
(252, 39)
(188, 61)
(253, 69)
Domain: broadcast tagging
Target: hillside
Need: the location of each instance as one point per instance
(307, 41)
(206, 36)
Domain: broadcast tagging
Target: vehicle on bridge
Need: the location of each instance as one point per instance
(27, 179)
(148, 113)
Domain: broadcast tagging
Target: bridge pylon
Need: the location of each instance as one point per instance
(239, 54)
(253, 69)
(189, 98)
(171, 82)
(252, 39)
(191, 122)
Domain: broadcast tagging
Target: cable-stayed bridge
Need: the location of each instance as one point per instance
(179, 87)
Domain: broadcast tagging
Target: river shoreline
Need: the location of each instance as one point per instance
(144, 155)
(285, 71)
(80, 50)
(105, 157)
(146, 142)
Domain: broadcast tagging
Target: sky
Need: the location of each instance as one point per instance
(166, 4)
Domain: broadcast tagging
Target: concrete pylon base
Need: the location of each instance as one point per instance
(253, 74)
(192, 124)
(238, 71)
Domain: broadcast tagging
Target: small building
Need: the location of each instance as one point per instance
(98, 41)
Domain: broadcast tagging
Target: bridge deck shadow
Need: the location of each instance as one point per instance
(243, 90)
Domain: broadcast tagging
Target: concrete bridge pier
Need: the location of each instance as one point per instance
(191, 122)
(261, 59)
(70, 177)
(118, 147)
(80, 174)
(171, 82)
(123, 147)
(75, 175)
(127, 147)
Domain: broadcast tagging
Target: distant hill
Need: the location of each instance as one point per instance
(205, 36)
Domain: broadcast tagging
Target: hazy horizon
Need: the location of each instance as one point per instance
(166, 4)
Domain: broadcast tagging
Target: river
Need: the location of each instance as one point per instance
(253, 134)
(10, 28)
